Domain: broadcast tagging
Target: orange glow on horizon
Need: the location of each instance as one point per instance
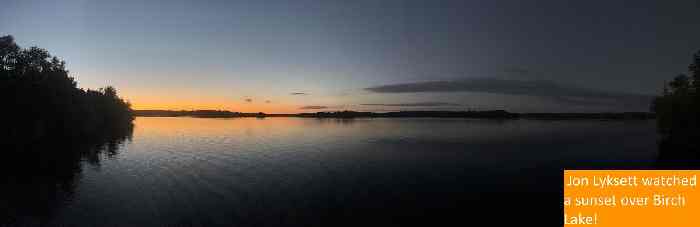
(188, 100)
(235, 107)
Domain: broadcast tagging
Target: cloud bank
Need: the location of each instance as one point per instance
(313, 107)
(517, 70)
(415, 104)
(538, 88)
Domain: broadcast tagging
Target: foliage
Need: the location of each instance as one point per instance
(678, 110)
(41, 100)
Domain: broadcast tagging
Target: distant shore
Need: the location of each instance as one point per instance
(490, 114)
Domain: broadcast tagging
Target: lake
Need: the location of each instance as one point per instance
(305, 171)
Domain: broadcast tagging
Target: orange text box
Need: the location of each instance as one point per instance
(631, 198)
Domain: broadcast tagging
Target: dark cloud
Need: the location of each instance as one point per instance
(517, 70)
(538, 88)
(298, 93)
(313, 107)
(415, 104)
(268, 101)
(248, 100)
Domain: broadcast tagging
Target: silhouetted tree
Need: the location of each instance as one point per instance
(678, 113)
(41, 100)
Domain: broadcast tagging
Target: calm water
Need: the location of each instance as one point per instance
(285, 171)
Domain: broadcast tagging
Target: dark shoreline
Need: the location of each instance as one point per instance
(491, 114)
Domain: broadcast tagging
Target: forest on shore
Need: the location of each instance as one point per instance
(485, 114)
(678, 115)
(42, 101)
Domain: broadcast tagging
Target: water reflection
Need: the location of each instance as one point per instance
(345, 121)
(679, 152)
(326, 172)
(37, 178)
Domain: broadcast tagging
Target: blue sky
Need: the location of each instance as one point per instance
(251, 55)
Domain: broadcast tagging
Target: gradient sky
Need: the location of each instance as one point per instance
(304, 55)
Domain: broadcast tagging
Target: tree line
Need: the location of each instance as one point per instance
(678, 113)
(42, 101)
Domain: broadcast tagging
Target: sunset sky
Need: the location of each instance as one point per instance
(308, 55)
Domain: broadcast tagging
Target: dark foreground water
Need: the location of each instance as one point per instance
(294, 171)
